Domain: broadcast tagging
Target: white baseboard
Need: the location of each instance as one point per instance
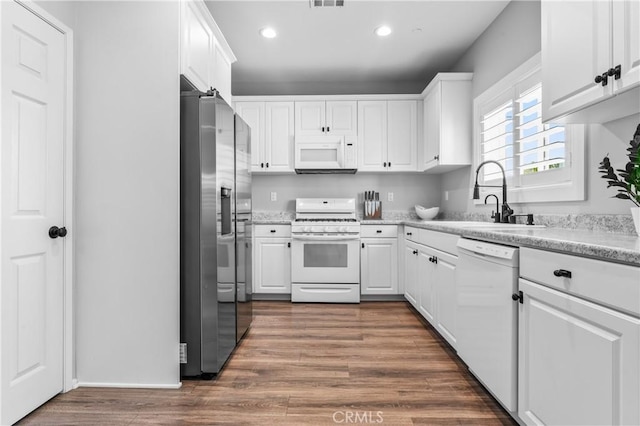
(130, 385)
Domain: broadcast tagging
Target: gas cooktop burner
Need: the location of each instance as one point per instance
(326, 220)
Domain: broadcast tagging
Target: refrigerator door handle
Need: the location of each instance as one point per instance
(225, 210)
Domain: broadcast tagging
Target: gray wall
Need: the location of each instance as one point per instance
(511, 39)
(408, 189)
(127, 190)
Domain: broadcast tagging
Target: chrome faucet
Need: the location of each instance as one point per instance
(506, 210)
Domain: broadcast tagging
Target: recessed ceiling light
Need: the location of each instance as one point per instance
(383, 31)
(268, 32)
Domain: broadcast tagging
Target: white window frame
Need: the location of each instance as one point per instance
(571, 187)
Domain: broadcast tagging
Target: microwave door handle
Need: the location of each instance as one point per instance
(325, 237)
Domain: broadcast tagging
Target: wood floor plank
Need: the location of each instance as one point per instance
(307, 364)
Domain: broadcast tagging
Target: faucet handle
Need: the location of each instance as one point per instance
(495, 216)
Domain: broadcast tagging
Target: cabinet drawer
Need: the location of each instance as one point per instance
(442, 241)
(412, 234)
(273, 230)
(612, 284)
(379, 231)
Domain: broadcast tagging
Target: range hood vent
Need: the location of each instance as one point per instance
(326, 171)
(326, 3)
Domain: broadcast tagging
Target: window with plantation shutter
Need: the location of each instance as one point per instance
(538, 158)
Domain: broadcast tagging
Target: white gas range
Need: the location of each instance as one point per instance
(325, 251)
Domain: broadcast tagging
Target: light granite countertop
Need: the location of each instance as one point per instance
(598, 244)
(609, 246)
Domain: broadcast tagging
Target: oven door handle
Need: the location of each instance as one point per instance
(325, 237)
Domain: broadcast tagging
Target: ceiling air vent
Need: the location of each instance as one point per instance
(326, 3)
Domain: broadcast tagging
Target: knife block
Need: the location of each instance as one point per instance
(372, 210)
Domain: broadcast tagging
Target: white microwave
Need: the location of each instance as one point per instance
(325, 154)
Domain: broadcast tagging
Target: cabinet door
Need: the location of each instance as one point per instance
(626, 42)
(342, 118)
(576, 47)
(379, 264)
(253, 114)
(221, 78)
(426, 286)
(446, 298)
(279, 136)
(411, 273)
(432, 103)
(310, 118)
(579, 363)
(402, 135)
(372, 135)
(197, 45)
(272, 265)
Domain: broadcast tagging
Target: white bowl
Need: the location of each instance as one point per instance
(427, 214)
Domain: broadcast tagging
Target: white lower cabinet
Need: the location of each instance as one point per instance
(578, 360)
(430, 284)
(379, 260)
(272, 256)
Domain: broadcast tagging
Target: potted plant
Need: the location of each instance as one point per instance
(627, 180)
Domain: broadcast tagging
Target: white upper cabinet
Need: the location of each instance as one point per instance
(590, 60)
(315, 118)
(447, 123)
(205, 56)
(253, 114)
(271, 134)
(387, 135)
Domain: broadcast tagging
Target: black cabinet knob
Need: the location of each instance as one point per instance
(262, 165)
(409, 233)
(598, 79)
(55, 232)
(389, 163)
(362, 245)
(327, 129)
(378, 231)
(415, 252)
(384, 164)
(602, 79)
(267, 165)
(273, 231)
(436, 157)
(288, 244)
(562, 273)
(515, 296)
(322, 129)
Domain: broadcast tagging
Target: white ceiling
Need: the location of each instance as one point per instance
(333, 50)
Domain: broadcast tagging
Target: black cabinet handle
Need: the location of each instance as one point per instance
(327, 129)
(409, 233)
(273, 231)
(603, 79)
(615, 72)
(322, 129)
(518, 297)
(389, 163)
(362, 245)
(267, 165)
(415, 252)
(562, 273)
(262, 165)
(289, 245)
(436, 157)
(378, 231)
(384, 164)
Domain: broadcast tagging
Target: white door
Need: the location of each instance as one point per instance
(279, 136)
(372, 136)
(379, 266)
(253, 114)
(446, 300)
(432, 111)
(577, 361)
(310, 118)
(573, 55)
(273, 265)
(342, 118)
(402, 135)
(626, 42)
(31, 310)
(411, 273)
(426, 286)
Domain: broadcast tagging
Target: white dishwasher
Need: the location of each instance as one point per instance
(487, 321)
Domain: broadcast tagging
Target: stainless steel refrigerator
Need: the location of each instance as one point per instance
(213, 246)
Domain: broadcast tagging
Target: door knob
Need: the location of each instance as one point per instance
(55, 232)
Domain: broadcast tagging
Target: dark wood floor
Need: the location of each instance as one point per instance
(307, 364)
